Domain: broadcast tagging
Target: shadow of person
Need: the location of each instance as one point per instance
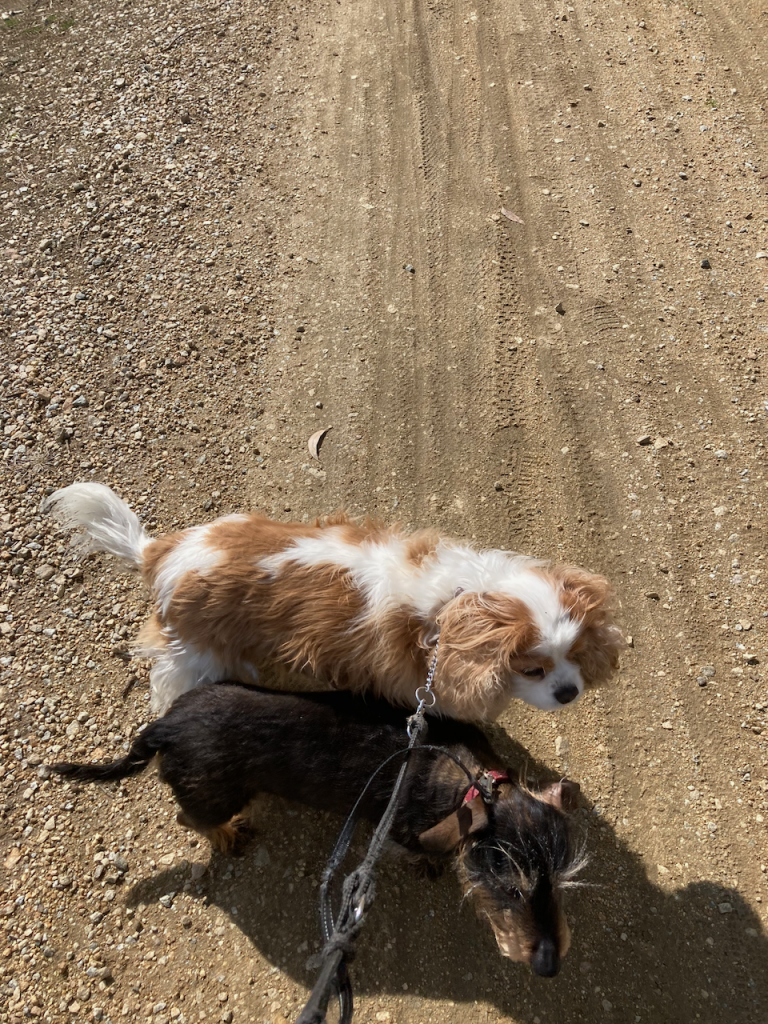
(641, 952)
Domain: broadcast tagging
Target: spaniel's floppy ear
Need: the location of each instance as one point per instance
(585, 593)
(487, 625)
(563, 795)
(591, 601)
(449, 832)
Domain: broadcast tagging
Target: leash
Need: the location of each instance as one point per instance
(358, 889)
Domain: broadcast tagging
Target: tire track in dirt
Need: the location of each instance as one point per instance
(562, 361)
(473, 377)
(685, 408)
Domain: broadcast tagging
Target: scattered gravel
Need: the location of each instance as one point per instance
(135, 316)
(196, 257)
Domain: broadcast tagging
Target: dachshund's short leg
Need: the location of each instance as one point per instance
(229, 838)
(423, 866)
(232, 837)
(428, 868)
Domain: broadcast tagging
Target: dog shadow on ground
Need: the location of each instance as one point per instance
(640, 952)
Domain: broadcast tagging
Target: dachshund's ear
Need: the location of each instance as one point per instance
(449, 832)
(563, 795)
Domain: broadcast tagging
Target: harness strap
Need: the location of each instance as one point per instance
(486, 785)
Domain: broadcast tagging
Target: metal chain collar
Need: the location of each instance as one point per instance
(423, 693)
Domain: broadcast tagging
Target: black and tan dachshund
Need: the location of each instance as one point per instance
(222, 744)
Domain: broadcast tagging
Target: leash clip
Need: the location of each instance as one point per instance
(485, 785)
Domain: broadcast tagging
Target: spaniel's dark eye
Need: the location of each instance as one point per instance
(533, 673)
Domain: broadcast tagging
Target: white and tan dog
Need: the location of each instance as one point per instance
(356, 607)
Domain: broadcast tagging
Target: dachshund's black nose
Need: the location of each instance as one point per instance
(566, 694)
(545, 960)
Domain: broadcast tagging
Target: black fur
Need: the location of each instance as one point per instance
(222, 744)
(143, 749)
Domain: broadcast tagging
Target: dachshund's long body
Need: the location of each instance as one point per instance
(220, 745)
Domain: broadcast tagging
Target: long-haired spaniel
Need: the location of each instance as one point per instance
(356, 607)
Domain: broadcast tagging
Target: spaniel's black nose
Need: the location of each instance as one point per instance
(566, 694)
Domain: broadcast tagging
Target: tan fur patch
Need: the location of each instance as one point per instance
(421, 546)
(243, 613)
(528, 664)
(154, 555)
(151, 636)
(255, 537)
(226, 838)
(590, 601)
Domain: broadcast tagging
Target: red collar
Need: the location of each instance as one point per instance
(488, 782)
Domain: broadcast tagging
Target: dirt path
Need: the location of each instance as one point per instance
(580, 380)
